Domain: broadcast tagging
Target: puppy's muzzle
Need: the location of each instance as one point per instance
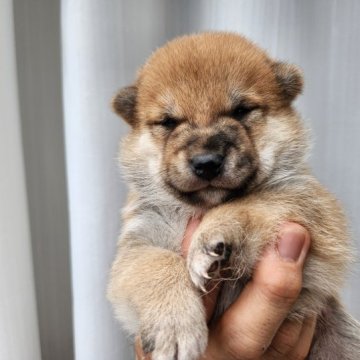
(207, 166)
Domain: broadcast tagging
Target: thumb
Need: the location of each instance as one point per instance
(279, 274)
(253, 319)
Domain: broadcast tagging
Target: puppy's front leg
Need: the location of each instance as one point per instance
(232, 237)
(153, 296)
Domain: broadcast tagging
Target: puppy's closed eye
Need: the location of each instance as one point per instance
(169, 123)
(240, 112)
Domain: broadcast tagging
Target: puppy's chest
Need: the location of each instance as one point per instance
(174, 227)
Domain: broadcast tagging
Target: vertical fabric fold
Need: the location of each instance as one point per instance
(19, 335)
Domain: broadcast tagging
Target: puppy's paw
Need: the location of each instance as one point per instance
(208, 254)
(179, 337)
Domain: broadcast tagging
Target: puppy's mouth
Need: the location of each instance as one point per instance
(212, 193)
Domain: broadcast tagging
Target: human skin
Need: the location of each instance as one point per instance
(255, 325)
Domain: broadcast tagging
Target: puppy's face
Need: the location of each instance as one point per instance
(211, 117)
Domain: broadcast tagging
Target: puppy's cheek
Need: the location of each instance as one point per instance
(182, 166)
(267, 159)
(149, 150)
(273, 139)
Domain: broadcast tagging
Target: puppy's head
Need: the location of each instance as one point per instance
(211, 117)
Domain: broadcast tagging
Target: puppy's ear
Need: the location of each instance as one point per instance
(124, 103)
(290, 80)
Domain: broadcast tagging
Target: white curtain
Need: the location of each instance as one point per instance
(61, 191)
(19, 335)
(92, 70)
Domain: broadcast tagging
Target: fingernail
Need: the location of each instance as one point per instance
(291, 242)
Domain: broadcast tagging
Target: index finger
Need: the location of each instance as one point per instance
(190, 229)
(139, 354)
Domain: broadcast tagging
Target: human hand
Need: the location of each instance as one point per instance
(255, 325)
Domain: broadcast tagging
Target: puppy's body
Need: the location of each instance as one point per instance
(214, 135)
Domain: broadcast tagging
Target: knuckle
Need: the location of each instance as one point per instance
(286, 339)
(244, 346)
(298, 356)
(283, 289)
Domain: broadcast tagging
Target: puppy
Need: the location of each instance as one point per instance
(214, 134)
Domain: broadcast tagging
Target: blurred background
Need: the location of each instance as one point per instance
(60, 189)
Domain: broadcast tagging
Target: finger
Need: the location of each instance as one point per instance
(139, 351)
(190, 229)
(302, 348)
(210, 299)
(285, 339)
(250, 323)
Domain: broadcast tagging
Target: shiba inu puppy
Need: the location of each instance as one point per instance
(214, 134)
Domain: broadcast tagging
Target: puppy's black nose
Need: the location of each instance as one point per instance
(207, 166)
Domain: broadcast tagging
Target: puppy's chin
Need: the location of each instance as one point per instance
(210, 196)
(205, 198)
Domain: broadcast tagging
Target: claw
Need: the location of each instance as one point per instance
(202, 287)
(206, 275)
(213, 253)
